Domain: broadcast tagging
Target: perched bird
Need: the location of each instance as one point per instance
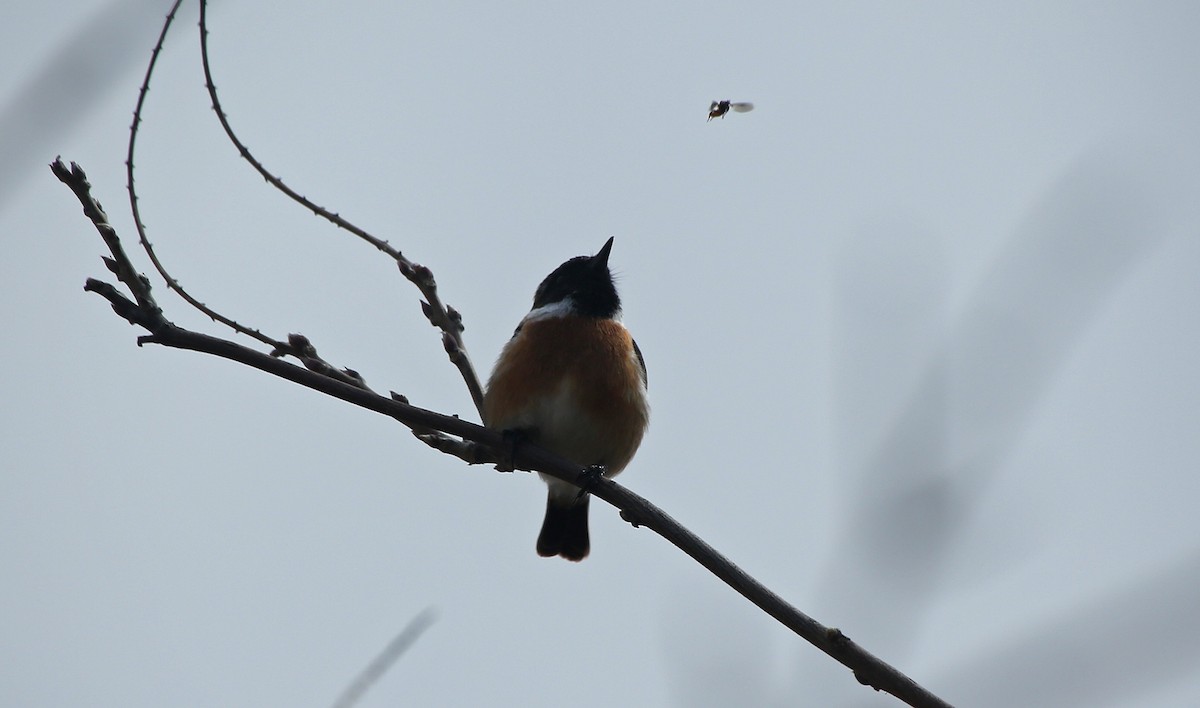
(718, 109)
(573, 381)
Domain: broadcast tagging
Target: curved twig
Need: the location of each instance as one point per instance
(442, 316)
(296, 345)
(171, 282)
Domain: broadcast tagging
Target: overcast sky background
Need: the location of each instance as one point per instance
(922, 335)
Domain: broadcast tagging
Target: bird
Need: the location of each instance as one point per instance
(573, 381)
(718, 109)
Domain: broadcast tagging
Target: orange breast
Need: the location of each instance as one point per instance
(575, 386)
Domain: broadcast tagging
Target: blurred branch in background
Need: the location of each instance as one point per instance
(973, 386)
(1114, 650)
(82, 69)
(380, 665)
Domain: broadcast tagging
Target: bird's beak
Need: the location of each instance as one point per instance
(602, 256)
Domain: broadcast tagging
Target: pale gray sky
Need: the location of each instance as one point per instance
(921, 331)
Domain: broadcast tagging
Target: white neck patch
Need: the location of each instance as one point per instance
(562, 308)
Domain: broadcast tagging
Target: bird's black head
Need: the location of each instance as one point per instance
(586, 281)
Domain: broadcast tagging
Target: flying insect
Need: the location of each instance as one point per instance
(718, 109)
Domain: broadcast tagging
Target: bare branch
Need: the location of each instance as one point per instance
(448, 434)
(867, 668)
(75, 178)
(442, 316)
(489, 446)
(146, 312)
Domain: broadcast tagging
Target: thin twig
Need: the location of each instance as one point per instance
(296, 345)
(867, 668)
(440, 315)
(149, 313)
(171, 282)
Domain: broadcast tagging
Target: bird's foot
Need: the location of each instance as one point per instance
(590, 476)
(508, 456)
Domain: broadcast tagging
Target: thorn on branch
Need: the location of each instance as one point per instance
(399, 397)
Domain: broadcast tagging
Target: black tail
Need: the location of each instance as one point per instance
(565, 530)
